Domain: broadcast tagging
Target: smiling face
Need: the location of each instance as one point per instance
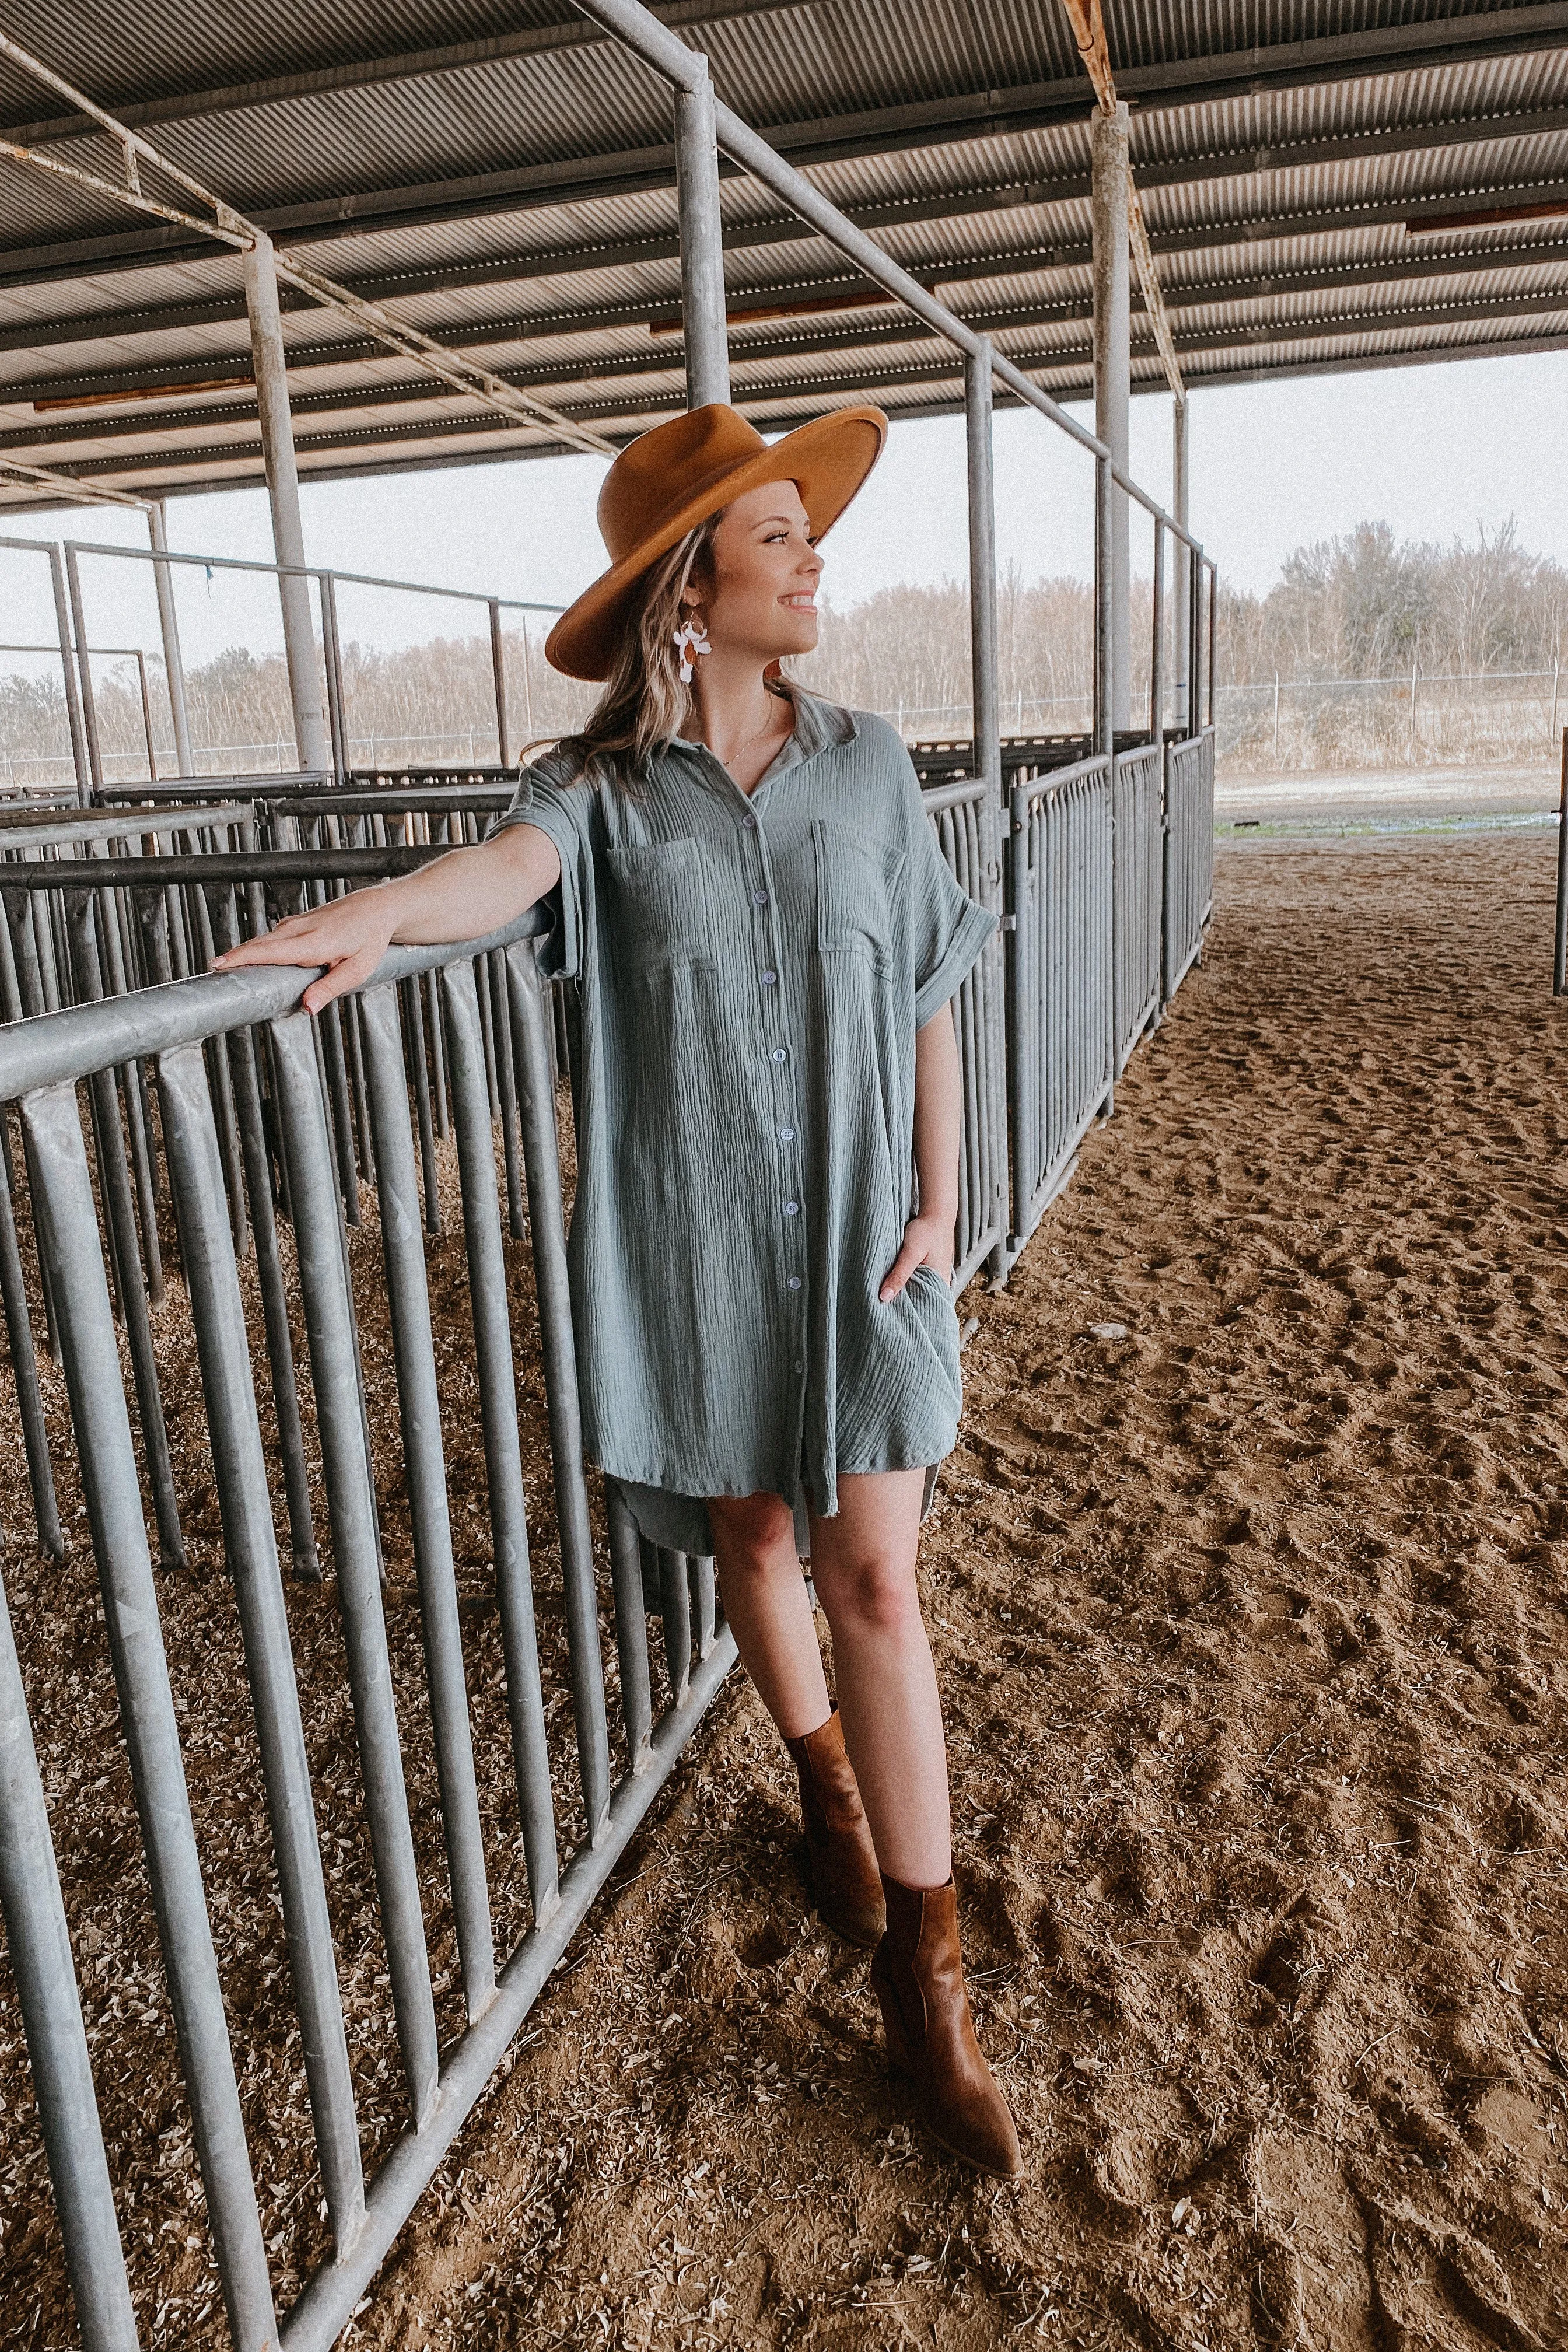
(756, 596)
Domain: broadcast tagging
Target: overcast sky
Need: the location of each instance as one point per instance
(1435, 451)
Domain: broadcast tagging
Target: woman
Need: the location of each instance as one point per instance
(765, 941)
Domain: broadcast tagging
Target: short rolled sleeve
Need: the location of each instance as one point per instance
(949, 928)
(561, 812)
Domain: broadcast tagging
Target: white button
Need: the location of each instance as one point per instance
(781, 1054)
(794, 1282)
(759, 897)
(786, 1135)
(750, 823)
(792, 1208)
(769, 978)
(799, 1365)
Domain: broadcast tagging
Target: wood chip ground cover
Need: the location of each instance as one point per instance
(1250, 1626)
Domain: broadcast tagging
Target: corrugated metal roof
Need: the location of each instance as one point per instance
(1302, 167)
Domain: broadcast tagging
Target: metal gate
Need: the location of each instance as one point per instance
(1060, 992)
(1189, 854)
(604, 1780)
(1137, 863)
(964, 819)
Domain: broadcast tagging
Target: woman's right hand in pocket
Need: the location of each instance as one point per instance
(349, 935)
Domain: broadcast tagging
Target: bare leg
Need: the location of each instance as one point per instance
(863, 1565)
(766, 1608)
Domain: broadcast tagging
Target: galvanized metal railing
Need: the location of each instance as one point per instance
(1138, 826)
(1060, 1033)
(1188, 889)
(43, 1063)
(964, 818)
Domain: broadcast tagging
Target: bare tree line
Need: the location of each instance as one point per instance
(1318, 672)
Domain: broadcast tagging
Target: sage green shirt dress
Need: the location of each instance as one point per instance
(752, 970)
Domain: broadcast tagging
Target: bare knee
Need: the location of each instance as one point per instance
(749, 1529)
(870, 1592)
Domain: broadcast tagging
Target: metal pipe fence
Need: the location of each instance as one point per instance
(59, 1069)
(1188, 881)
(1138, 826)
(963, 817)
(1060, 1032)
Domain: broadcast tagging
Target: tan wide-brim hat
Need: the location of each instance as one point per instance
(668, 481)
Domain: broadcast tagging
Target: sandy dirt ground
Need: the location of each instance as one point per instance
(1250, 1625)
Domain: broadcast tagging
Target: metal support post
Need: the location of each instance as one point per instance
(701, 246)
(1157, 647)
(283, 492)
(1182, 570)
(986, 688)
(1111, 181)
(1104, 620)
(497, 665)
(169, 629)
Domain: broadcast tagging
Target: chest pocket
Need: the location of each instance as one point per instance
(663, 894)
(857, 882)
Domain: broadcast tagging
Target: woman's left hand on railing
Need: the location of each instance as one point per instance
(349, 936)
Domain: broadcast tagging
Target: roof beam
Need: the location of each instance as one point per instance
(1350, 276)
(246, 470)
(1003, 196)
(115, 326)
(968, 115)
(887, 377)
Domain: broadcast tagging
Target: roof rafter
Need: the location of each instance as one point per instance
(1187, 295)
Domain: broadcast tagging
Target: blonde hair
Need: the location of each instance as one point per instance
(645, 706)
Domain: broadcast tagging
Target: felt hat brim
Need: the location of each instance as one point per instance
(827, 461)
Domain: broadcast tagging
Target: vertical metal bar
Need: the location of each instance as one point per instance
(332, 654)
(233, 1159)
(506, 1087)
(242, 1046)
(675, 1608)
(415, 1032)
(982, 650)
(558, 1347)
(1213, 637)
(79, 760)
(340, 1419)
(1560, 943)
(250, 1550)
(84, 671)
(701, 246)
(1104, 610)
(1181, 566)
(1157, 648)
(1111, 179)
(269, 363)
(1194, 644)
(503, 1453)
(146, 717)
(420, 1410)
(68, 1232)
(24, 1365)
(704, 1600)
(631, 1626)
(114, 1178)
(44, 1970)
(498, 666)
(169, 629)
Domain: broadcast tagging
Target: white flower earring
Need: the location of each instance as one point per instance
(690, 641)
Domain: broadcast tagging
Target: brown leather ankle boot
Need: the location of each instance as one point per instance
(840, 1859)
(919, 1980)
